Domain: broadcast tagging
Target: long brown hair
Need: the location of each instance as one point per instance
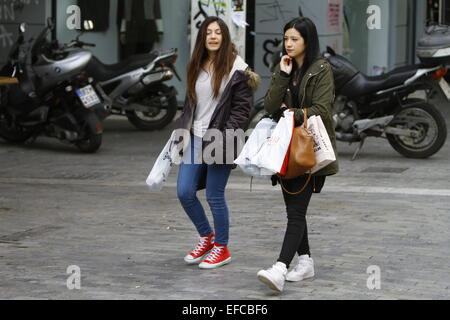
(223, 62)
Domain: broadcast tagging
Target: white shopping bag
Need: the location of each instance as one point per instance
(164, 163)
(272, 154)
(259, 135)
(323, 149)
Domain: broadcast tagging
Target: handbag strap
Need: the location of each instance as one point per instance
(305, 118)
(298, 192)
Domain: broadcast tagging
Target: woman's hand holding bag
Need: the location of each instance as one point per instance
(300, 158)
(272, 154)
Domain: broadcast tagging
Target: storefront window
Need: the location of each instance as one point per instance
(95, 15)
(133, 27)
(138, 21)
(438, 12)
(446, 12)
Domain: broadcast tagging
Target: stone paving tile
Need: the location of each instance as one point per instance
(130, 243)
(121, 253)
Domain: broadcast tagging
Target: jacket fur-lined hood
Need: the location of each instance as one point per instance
(254, 80)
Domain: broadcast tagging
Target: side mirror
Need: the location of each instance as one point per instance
(22, 28)
(331, 51)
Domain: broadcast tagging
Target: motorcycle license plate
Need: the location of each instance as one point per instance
(445, 87)
(88, 96)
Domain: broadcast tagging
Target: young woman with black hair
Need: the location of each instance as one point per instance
(302, 80)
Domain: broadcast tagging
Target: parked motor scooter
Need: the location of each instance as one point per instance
(52, 98)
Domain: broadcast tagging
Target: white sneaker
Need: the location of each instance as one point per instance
(274, 277)
(303, 270)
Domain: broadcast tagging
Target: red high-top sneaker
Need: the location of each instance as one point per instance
(218, 257)
(204, 246)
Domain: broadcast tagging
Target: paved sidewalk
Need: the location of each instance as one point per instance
(59, 208)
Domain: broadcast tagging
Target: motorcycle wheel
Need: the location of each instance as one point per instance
(93, 139)
(161, 115)
(432, 130)
(10, 131)
(91, 144)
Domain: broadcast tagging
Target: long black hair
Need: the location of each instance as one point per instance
(308, 31)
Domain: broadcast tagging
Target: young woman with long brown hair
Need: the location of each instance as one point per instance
(220, 90)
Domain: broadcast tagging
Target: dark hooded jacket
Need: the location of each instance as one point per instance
(232, 111)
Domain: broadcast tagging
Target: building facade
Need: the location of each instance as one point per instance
(376, 35)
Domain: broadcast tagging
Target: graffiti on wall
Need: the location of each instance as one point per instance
(271, 11)
(206, 8)
(270, 46)
(8, 8)
(7, 14)
(12, 12)
(271, 16)
(6, 38)
(232, 12)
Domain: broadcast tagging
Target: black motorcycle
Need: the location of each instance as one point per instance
(381, 106)
(53, 98)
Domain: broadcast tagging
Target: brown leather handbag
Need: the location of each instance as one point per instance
(301, 154)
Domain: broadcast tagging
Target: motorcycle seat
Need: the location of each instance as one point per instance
(362, 85)
(104, 72)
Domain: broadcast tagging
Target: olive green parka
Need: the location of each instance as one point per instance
(316, 94)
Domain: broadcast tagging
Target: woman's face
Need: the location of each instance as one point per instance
(294, 43)
(213, 37)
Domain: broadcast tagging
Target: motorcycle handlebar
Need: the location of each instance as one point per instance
(87, 44)
(41, 36)
(79, 44)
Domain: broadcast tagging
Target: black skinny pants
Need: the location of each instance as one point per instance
(296, 236)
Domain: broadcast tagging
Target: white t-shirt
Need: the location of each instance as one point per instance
(206, 104)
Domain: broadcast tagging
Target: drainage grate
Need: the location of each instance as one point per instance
(384, 170)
